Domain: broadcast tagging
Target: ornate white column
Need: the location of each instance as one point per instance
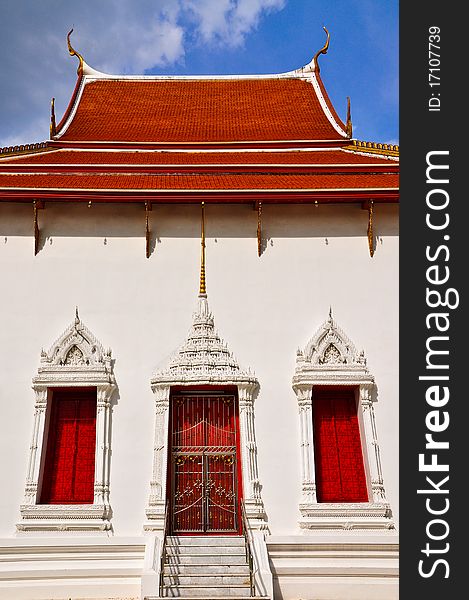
(252, 487)
(374, 461)
(35, 450)
(102, 458)
(155, 510)
(308, 485)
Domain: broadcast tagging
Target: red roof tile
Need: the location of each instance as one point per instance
(123, 157)
(221, 181)
(207, 110)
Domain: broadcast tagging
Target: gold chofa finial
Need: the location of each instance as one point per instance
(322, 51)
(73, 52)
(202, 288)
(348, 125)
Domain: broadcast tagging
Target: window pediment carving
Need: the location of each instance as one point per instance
(76, 354)
(330, 353)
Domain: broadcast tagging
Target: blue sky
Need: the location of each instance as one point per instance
(197, 37)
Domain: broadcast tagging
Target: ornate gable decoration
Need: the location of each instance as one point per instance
(204, 357)
(330, 355)
(76, 356)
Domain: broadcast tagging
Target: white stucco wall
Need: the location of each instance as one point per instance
(264, 308)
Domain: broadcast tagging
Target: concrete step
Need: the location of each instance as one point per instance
(192, 549)
(208, 540)
(214, 558)
(204, 580)
(196, 591)
(205, 569)
(210, 597)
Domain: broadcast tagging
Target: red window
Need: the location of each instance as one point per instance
(68, 474)
(340, 472)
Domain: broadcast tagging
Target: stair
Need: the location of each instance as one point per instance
(209, 567)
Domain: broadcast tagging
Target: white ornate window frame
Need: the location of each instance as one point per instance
(76, 359)
(331, 359)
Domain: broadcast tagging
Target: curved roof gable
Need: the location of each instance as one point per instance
(288, 106)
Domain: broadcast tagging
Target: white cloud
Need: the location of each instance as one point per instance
(228, 21)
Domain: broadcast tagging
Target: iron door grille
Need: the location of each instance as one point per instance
(204, 478)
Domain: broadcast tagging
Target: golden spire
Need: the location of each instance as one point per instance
(73, 52)
(202, 288)
(322, 51)
(53, 127)
(348, 125)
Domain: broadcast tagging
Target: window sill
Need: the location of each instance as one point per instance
(346, 516)
(65, 517)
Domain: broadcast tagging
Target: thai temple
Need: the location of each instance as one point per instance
(199, 357)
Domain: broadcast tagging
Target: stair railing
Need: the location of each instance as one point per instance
(248, 544)
(163, 549)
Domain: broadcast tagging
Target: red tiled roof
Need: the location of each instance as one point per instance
(266, 138)
(208, 110)
(123, 157)
(191, 181)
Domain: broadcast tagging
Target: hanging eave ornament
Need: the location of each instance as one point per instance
(369, 206)
(258, 207)
(37, 204)
(148, 208)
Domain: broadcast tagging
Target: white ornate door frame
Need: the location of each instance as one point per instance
(204, 360)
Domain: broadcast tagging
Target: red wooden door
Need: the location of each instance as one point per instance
(204, 482)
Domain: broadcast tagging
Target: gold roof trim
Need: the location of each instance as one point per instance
(372, 148)
(23, 149)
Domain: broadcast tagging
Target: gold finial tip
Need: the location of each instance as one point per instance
(73, 52)
(323, 50)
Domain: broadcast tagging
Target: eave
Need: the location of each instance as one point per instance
(226, 169)
(193, 196)
(200, 145)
